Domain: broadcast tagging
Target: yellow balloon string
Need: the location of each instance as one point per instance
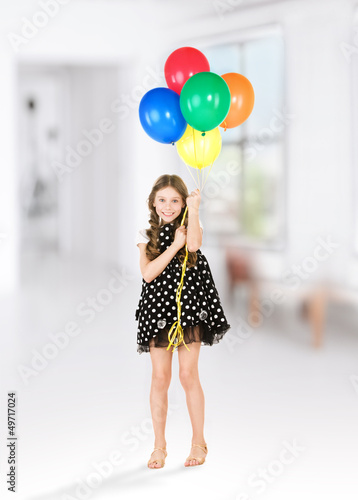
(206, 178)
(202, 173)
(187, 166)
(196, 160)
(179, 330)
(198, 170)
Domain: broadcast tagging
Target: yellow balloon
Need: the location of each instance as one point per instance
(197, 150)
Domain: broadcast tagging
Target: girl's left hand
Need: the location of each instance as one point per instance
(193, 200)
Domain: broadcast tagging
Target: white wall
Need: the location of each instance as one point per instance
(9, 209)
(93, 185)
(319, 138)
(318, 94)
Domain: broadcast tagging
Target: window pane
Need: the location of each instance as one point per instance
(224, 58)
(221, 193)
(263, 194)
(249, 206)
(263, 65)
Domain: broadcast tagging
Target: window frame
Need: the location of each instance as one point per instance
(241, 38)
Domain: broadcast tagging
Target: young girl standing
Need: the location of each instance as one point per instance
(162, 252)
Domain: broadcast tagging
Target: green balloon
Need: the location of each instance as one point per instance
(205, 101)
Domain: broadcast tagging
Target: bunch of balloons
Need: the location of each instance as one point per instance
(196, 102)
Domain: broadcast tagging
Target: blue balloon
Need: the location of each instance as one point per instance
(161, 116)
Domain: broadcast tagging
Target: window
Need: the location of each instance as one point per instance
(244, 194)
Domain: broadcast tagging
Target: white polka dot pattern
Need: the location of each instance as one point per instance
(200, 302)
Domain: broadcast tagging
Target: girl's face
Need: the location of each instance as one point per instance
(168, 203)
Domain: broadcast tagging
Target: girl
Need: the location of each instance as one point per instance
(162, 252)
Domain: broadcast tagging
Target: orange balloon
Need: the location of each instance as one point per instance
(242, 99)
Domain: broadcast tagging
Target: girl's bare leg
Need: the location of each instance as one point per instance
(161, 376)
(189, 378)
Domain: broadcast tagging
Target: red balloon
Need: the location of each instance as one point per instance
(182, 64)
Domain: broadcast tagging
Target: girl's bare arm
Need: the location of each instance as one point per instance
(150, 269)
(195, 232)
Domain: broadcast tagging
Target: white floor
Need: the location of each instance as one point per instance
(281, 417)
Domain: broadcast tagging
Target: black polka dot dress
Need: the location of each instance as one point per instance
(202, 317)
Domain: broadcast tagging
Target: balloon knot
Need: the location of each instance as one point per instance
(203, 133)
(172, 143)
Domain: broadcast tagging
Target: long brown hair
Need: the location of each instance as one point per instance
(152, 246)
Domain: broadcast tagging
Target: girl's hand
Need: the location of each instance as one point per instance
(193, 200)
(180, 237)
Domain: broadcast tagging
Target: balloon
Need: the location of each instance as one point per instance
(160, 115)
(198, 150)
(182, 64)
(242, 99)
(205, 100)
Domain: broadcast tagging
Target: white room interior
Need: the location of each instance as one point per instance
(88, 68)
(87, 57)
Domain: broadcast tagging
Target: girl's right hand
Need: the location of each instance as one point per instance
(180, 237)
